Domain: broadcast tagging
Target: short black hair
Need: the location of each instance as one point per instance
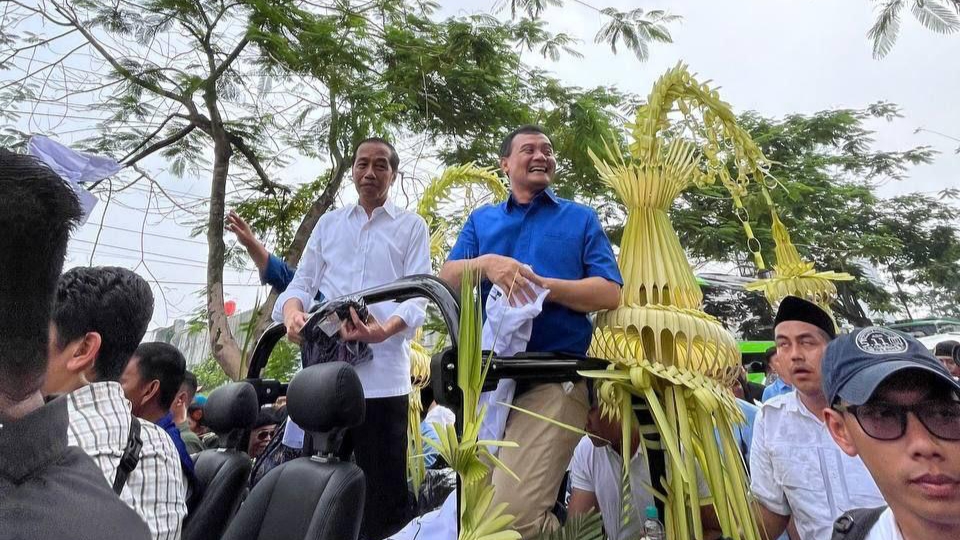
(38, 211)
(945, 348)
(158, 361)
(394, 156)
(114, 302)
(190, 385)
(506, 147)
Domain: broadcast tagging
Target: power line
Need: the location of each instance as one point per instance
(76, 251)
(144, 252)
(157, 235)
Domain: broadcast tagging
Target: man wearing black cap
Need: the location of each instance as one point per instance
(894, 405)
(797, 471)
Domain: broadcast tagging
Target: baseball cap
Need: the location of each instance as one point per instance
(854, 365)
(794, 308)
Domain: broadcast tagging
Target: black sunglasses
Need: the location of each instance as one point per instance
(265, 434)
(888, 421)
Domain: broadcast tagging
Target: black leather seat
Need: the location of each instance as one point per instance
(221, 473)
(315, 497)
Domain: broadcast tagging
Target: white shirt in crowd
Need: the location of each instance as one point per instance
(346, 253)
(885, 528)
(156, 488)
(797, 469)
(599, 470)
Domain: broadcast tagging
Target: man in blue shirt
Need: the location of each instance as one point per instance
(779, 385)
(151, 381)
(535, 237)
(273, 270)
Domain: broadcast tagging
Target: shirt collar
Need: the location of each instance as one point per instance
(388, 207)
(546, 195)
(166, 423)
(34, 441)
(793, 404)
(99, 393)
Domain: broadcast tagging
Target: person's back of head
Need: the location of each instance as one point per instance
(60, 490)
(152, 379)
(101, 315)
(38, 210)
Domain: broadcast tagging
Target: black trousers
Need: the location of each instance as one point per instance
(379, 448)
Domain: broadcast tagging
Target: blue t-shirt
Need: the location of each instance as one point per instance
(558, 239)
(186, 462)
(775, 389)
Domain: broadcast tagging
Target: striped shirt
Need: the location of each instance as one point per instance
(100, 425)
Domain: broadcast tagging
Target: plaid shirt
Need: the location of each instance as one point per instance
(100, 425)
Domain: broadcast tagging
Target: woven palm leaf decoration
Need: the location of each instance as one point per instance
(438, 192)
(793, 276)
(662, 347)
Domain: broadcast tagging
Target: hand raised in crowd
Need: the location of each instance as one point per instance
(512, 277)
(294, 321)
(239, 227)
(369, 331)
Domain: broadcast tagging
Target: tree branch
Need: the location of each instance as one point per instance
(254, 161)
(148, 137)
(230, 58)
(160, 144)
(124, 72)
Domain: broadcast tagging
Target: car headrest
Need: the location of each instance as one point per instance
(232, 406)
(326, 397)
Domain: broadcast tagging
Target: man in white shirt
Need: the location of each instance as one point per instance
(99, 318)
(596, 476)
(896, 406)
(796, 469)
(351, 249)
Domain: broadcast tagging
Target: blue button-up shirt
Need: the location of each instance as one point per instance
(775, 389)
(558, 239)
(278, 274)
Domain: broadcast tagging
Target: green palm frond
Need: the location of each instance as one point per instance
(635, 29)
(588, 526)
(935, 16)
(886, 28)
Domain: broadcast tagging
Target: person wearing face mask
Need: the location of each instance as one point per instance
(353, 248)
(895, 406)
(797, 470)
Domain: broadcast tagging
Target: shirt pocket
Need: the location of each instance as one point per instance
(559, 255)
(798, 468)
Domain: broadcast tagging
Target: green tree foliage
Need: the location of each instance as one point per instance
(235, 91)
(828, 172)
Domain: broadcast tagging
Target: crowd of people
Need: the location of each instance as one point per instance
(855, 436)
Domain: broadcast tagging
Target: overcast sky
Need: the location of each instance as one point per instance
(774, 57)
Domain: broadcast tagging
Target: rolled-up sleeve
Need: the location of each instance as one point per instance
(306, 281)
(764, 486)
(416, 261)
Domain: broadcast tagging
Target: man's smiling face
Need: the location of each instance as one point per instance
(531, 163)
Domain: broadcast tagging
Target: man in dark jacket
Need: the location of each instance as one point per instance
(47, 489)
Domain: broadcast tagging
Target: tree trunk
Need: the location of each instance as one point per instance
(223, 346)
(849, 306)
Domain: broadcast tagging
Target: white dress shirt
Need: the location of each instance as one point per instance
(348, 252)
(885, 528)
(599, 470)
(156, 488)
(797, 469)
